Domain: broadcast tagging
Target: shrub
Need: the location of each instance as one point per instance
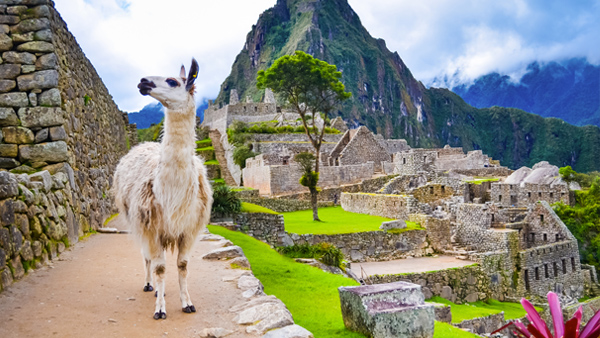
(241, 154)
(326, 253)
(225, 201)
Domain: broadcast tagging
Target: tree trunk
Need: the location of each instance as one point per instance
(313, 201)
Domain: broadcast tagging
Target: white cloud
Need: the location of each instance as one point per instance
(129, 39)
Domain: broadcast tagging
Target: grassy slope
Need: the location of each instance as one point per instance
(334, 221)
(482, 309)
(310, 294)
(253, 208)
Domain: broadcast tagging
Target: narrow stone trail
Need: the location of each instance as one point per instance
(95, 290)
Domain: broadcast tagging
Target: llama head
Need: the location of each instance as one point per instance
(173, 92)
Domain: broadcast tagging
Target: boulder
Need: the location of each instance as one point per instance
(290, 331)
(225, 253)
(395, 224)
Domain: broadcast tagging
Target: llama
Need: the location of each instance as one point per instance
(162, 189)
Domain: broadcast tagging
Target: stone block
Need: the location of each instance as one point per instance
(44, 152)
(9, 150)
(4, 29)
(9, 71)
(7, 85)
(21, 58)
(57, 133)
(31, 25)
(22, 222)
(42, 79)
(443, 313)
(16, 238)
(9, 19)
(36, 247)
(41, 117)
(8, 185)
(41, 135)
(2, 259)
(28, 69)
(18, 135)
(447, 293)
(44, 177)
(48, 61)
(8, 163)
(18, 271)
(50, 98)
(395, 224)
(41, 11)
(387, 310)
(6, 43)
(36, 47)
(26, 251)
(43, 35)
(6, 277)
(23, 37)
(35, 227)
(227, 252)
(5, 241)
(16, 10)
(8, 117)
(14, 99)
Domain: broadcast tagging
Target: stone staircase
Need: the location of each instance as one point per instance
(215, 137)
(459, 250)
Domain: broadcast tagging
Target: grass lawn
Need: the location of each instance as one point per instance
(253, 208)
(483, 179)
(482, 309)
(334, 220)
(212, 162)
(203, 143)
(205, 149)
(445, 330)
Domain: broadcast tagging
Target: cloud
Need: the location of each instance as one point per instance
(129, 39)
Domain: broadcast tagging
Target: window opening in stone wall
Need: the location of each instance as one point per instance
(564, 264)
(546, 271)
(551, 195)
(526, 280)
(557, 237)
(424, 158)
(555, 269)
(499, 198)
(562, 194)
(492, 217)
(573, 263)
(443, 189)
(541, 218)
(404, 160)
(255, 109)
(532, 237)
(431, 190)
(545, 237)
(244, 109)
(529, 194)
(539, 194)
(537, 273)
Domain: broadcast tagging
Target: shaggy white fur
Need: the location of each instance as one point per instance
(162, 188)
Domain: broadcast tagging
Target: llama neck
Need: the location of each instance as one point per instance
(179, 137)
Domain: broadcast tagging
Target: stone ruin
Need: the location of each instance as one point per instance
(61, 136)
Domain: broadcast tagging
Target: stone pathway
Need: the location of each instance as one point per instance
(95, 290)
(215, 137)
(397, 266)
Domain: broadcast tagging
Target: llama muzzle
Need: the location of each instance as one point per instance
(145, 86)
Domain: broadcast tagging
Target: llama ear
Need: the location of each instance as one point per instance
(192, 75)
(182, 72)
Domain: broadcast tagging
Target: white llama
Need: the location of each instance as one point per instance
(162, 189)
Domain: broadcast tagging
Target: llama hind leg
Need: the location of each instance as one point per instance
(182, 262)
(158, 264)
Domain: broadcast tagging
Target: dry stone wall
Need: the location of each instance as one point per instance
(390, 206)
(58, 123)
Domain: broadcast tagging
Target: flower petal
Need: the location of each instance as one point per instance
(557, 316)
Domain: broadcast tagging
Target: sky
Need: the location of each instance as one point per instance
(454, 39)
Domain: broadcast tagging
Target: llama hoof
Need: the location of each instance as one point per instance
(160, 315)
(148, 288)
(189, 309)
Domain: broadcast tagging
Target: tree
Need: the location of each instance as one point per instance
(309, 178)
(308, 85)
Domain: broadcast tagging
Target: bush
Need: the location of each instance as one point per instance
(241, 154)
(225, 201)
(326, 253)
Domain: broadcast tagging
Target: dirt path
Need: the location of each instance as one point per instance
(95, 290)
(421, 264)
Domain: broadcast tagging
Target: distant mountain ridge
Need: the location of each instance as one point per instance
(390, 101)
(154, 113)
(569, 90)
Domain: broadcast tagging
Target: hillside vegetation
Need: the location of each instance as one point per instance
(390, 101)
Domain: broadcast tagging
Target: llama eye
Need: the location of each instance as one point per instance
(172, 83)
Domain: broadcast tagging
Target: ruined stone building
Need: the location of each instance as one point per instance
(61, 136)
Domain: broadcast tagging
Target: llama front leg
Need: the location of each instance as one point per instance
(182, 262)
(158, 264)
(147, 269)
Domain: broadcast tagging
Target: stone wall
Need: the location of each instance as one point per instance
(285, 204)
(390, 206)
(403, 184)
(523, 195)
(265, 227)
(432, 192)
(484, 172)
(483, 325)
(363, 148)
(291, 137)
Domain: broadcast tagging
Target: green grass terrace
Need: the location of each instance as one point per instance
(335, 220)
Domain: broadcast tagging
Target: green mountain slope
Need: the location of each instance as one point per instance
(389, 100)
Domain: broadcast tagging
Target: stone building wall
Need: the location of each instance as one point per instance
(390, 206)
(291, 137)
(456, 159)
(265, 227)
(403, 184)
(413, 161)
(285, 204)
(528, 193)
(287, 150)
(484, 172)
(363, 148)
(432, 192)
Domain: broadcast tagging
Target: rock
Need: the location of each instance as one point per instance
(22, 58)
(55, 231)
(6, 43)
(9, 19)
(48, 61)
(16, 10)
(427, 292)
(7, 85)
(211, 238)
(40, 117)
(18, 135)
(60, 247)
(36, 247)
(215, 332)
(28, 69)
(50, 98)
(57, 133)
(18, 271)
(290, 331)
(41, 135)
(39, 80)
(8, 117)
(37, 12)
(246, 282)
(8, 163)
(265, 316)
(44, 177)
(472, 298)
(9, 150)
(31, 25)
(6, 278)
(44, 152)
(446, 292)
(227, 252)
(36, 47)
(4, 29)
(8, 185)
(395, 224)
(36, 227)
(241, 262)
(2, 259)
(22, 221)
(24, 37)
(9, 71)
(44, 35)
(443, 312)
(14, 99)
(26, 251)
(387, 310)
